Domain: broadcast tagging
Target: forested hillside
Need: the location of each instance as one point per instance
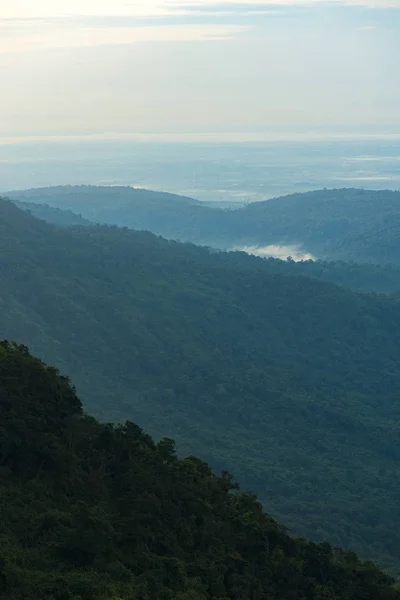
(363, 277)
(347, 224)
(290, 382)
(102, 512)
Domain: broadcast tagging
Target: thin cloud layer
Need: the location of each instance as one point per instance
(44, 35)
(43, 24)
(199, 66)
(27, 26)
(59, 8)
(254, 5)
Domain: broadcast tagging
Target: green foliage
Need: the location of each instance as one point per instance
(123, 518)
(289, 382)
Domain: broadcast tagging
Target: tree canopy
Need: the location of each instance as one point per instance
(94, 511)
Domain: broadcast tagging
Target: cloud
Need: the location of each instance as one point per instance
(208, 138)
(124, 67)
(46, 35)
(228, 8)
(145, 8)
(256, 5)
(277, 251)
(372, 3)
(27, 25)
(27, 9)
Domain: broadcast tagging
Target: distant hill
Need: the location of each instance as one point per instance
(97, 512)
(346, 224)
(290, 382)
(117, 205)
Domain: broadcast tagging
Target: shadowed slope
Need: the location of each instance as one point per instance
(91, 512)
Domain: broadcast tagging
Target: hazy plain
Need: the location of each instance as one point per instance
(227, 173)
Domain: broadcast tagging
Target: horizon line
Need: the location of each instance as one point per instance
(221, 137)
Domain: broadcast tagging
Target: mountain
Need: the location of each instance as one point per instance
(290, 382)
(102, 512)
(347, 224)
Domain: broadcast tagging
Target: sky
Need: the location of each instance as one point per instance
(198, 67)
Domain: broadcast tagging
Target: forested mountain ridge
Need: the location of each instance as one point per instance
(362, 277)
(344, 224)
(100, 512)
(290, 382)
(116, 205)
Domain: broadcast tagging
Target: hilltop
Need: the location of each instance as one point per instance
(290, 382)
(116, 205)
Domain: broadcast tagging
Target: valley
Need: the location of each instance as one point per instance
(288, 381)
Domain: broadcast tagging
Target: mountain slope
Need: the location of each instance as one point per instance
(93, 511)
(289, 382)
(347, 224)
(363, 277)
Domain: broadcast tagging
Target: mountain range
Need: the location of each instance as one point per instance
(288, 381)
(346, 224)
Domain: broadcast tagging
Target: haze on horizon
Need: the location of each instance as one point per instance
(199, 67)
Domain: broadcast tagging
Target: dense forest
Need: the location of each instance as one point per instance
(346, 224)
(363, 277)
(289, 382)
(94, 511)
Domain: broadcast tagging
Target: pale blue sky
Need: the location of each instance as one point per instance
(199, 67)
